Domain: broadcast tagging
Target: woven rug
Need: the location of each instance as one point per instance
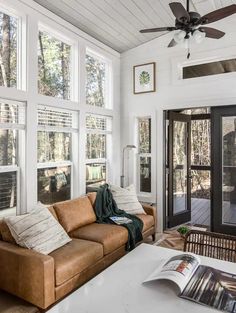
(173, 240)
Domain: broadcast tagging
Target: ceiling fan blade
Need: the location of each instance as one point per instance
(179, 12)
(212, 32)
(159, 29)
(217, 15)
(172, 43)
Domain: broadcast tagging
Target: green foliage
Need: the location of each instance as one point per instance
(95, 84)
(144, 78)
(53, 66)
(8, 50)
(183, 230)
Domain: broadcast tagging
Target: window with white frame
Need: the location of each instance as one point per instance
(54, 66)
(12, 125)
(57, 128)
(97, 80)
(144, 155)
(8, 50)
(99, 130)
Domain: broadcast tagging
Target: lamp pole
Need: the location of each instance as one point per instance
(122, 178)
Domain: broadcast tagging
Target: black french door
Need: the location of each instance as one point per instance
(179, 169)
(224, 169)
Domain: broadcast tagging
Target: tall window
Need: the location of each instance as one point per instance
(144, 154)
(97, 88)
(8, 50)
(12, 125)
(56, 129)
(99, 129)
(54, 62)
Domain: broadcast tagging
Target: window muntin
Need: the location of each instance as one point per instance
(99, 129)
(144, 155)
(12, 123)
(56, 128)
(54, 66)
(8, 50)
(96, 81)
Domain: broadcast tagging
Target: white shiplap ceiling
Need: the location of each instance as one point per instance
(116, 23)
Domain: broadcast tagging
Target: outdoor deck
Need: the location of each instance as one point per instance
(201, 211)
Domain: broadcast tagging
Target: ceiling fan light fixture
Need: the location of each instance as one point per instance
(179, 36)
(198, 36)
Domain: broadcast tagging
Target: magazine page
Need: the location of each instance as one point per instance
(212, 287)
(178, 269)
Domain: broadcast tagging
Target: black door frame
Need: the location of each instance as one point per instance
(166, 130)
(184, 216)
(216, 177)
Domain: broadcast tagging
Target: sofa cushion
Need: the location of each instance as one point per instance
(52, 211)
(5, 233)
(92, 197)
(111, 237)
(37, 230)
(75, 213)
(75, 257)
(126, 199)
(148, 221)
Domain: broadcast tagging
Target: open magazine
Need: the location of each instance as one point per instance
(199, 283)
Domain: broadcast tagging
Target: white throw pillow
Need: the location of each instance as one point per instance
(38, 230)
(126, 199)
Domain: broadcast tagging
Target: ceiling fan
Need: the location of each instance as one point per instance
(189, 24)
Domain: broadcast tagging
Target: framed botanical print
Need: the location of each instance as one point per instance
(144, 78)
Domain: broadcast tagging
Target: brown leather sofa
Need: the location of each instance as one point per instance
(44, 279)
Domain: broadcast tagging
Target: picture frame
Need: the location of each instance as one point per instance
(144, 78)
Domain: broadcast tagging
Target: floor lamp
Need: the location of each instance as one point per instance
(122, 178)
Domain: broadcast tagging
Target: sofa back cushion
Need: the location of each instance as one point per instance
(5, 232)
(92, 197)
(75, 213)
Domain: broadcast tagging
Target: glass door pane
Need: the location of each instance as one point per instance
(229, 170)
(179, 157)
(180, 167)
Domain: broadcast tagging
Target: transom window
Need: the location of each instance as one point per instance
(56, 127)
(97, 81)
(12, 125)
(54, 66)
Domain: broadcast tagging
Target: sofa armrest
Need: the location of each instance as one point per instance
(150, 210)
(27, 274)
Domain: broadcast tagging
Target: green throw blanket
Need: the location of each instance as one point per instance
(105, 207)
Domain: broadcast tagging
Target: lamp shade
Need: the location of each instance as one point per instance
(179, 36)
(198, 36)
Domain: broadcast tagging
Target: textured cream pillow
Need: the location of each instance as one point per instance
(38, 230)
(126, 199)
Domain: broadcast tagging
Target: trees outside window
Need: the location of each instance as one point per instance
(144, 154)
(55, 130)
(8, 50)
(11, 126)
(96, 82)
(99, 131)
(54, 66)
